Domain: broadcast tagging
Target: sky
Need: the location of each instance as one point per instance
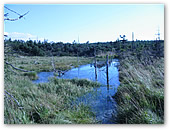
(86, 22)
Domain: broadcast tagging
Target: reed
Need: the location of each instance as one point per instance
(46, 103)
(140, 96)
(40, 64)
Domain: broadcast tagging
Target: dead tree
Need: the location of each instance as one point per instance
(17, 68)
(52, 59)
(13, 19)
(7, 52)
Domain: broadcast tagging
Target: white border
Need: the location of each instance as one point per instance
(77, 127)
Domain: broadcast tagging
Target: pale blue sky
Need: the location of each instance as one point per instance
(94, 23)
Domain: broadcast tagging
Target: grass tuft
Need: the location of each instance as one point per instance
(31, 75)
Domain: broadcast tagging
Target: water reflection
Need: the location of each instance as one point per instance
(100, 101)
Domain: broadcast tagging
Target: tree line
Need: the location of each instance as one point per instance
(38, 48)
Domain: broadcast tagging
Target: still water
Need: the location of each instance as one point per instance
(100, 100)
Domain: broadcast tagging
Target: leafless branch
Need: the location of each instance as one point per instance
(17, 68)
(5, 15)
(9, 19)
(11, 10)
(12, 70)
(14, 19)
(12, 97)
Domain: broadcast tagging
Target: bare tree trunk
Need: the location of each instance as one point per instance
(17, 68)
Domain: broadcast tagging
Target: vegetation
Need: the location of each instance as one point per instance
(40, 64)
(46, 103)
(140, 96)
(31, 75)
(34, 48)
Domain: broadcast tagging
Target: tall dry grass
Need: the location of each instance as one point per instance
(39, 64)
(46, 103)
(140, 96)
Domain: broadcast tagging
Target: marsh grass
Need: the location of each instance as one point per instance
(40, 64)
(46, 103)
(140, 96)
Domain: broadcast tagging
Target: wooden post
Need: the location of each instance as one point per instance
(78, 53)
(77, 59)
(95, 64)
(107, 72)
